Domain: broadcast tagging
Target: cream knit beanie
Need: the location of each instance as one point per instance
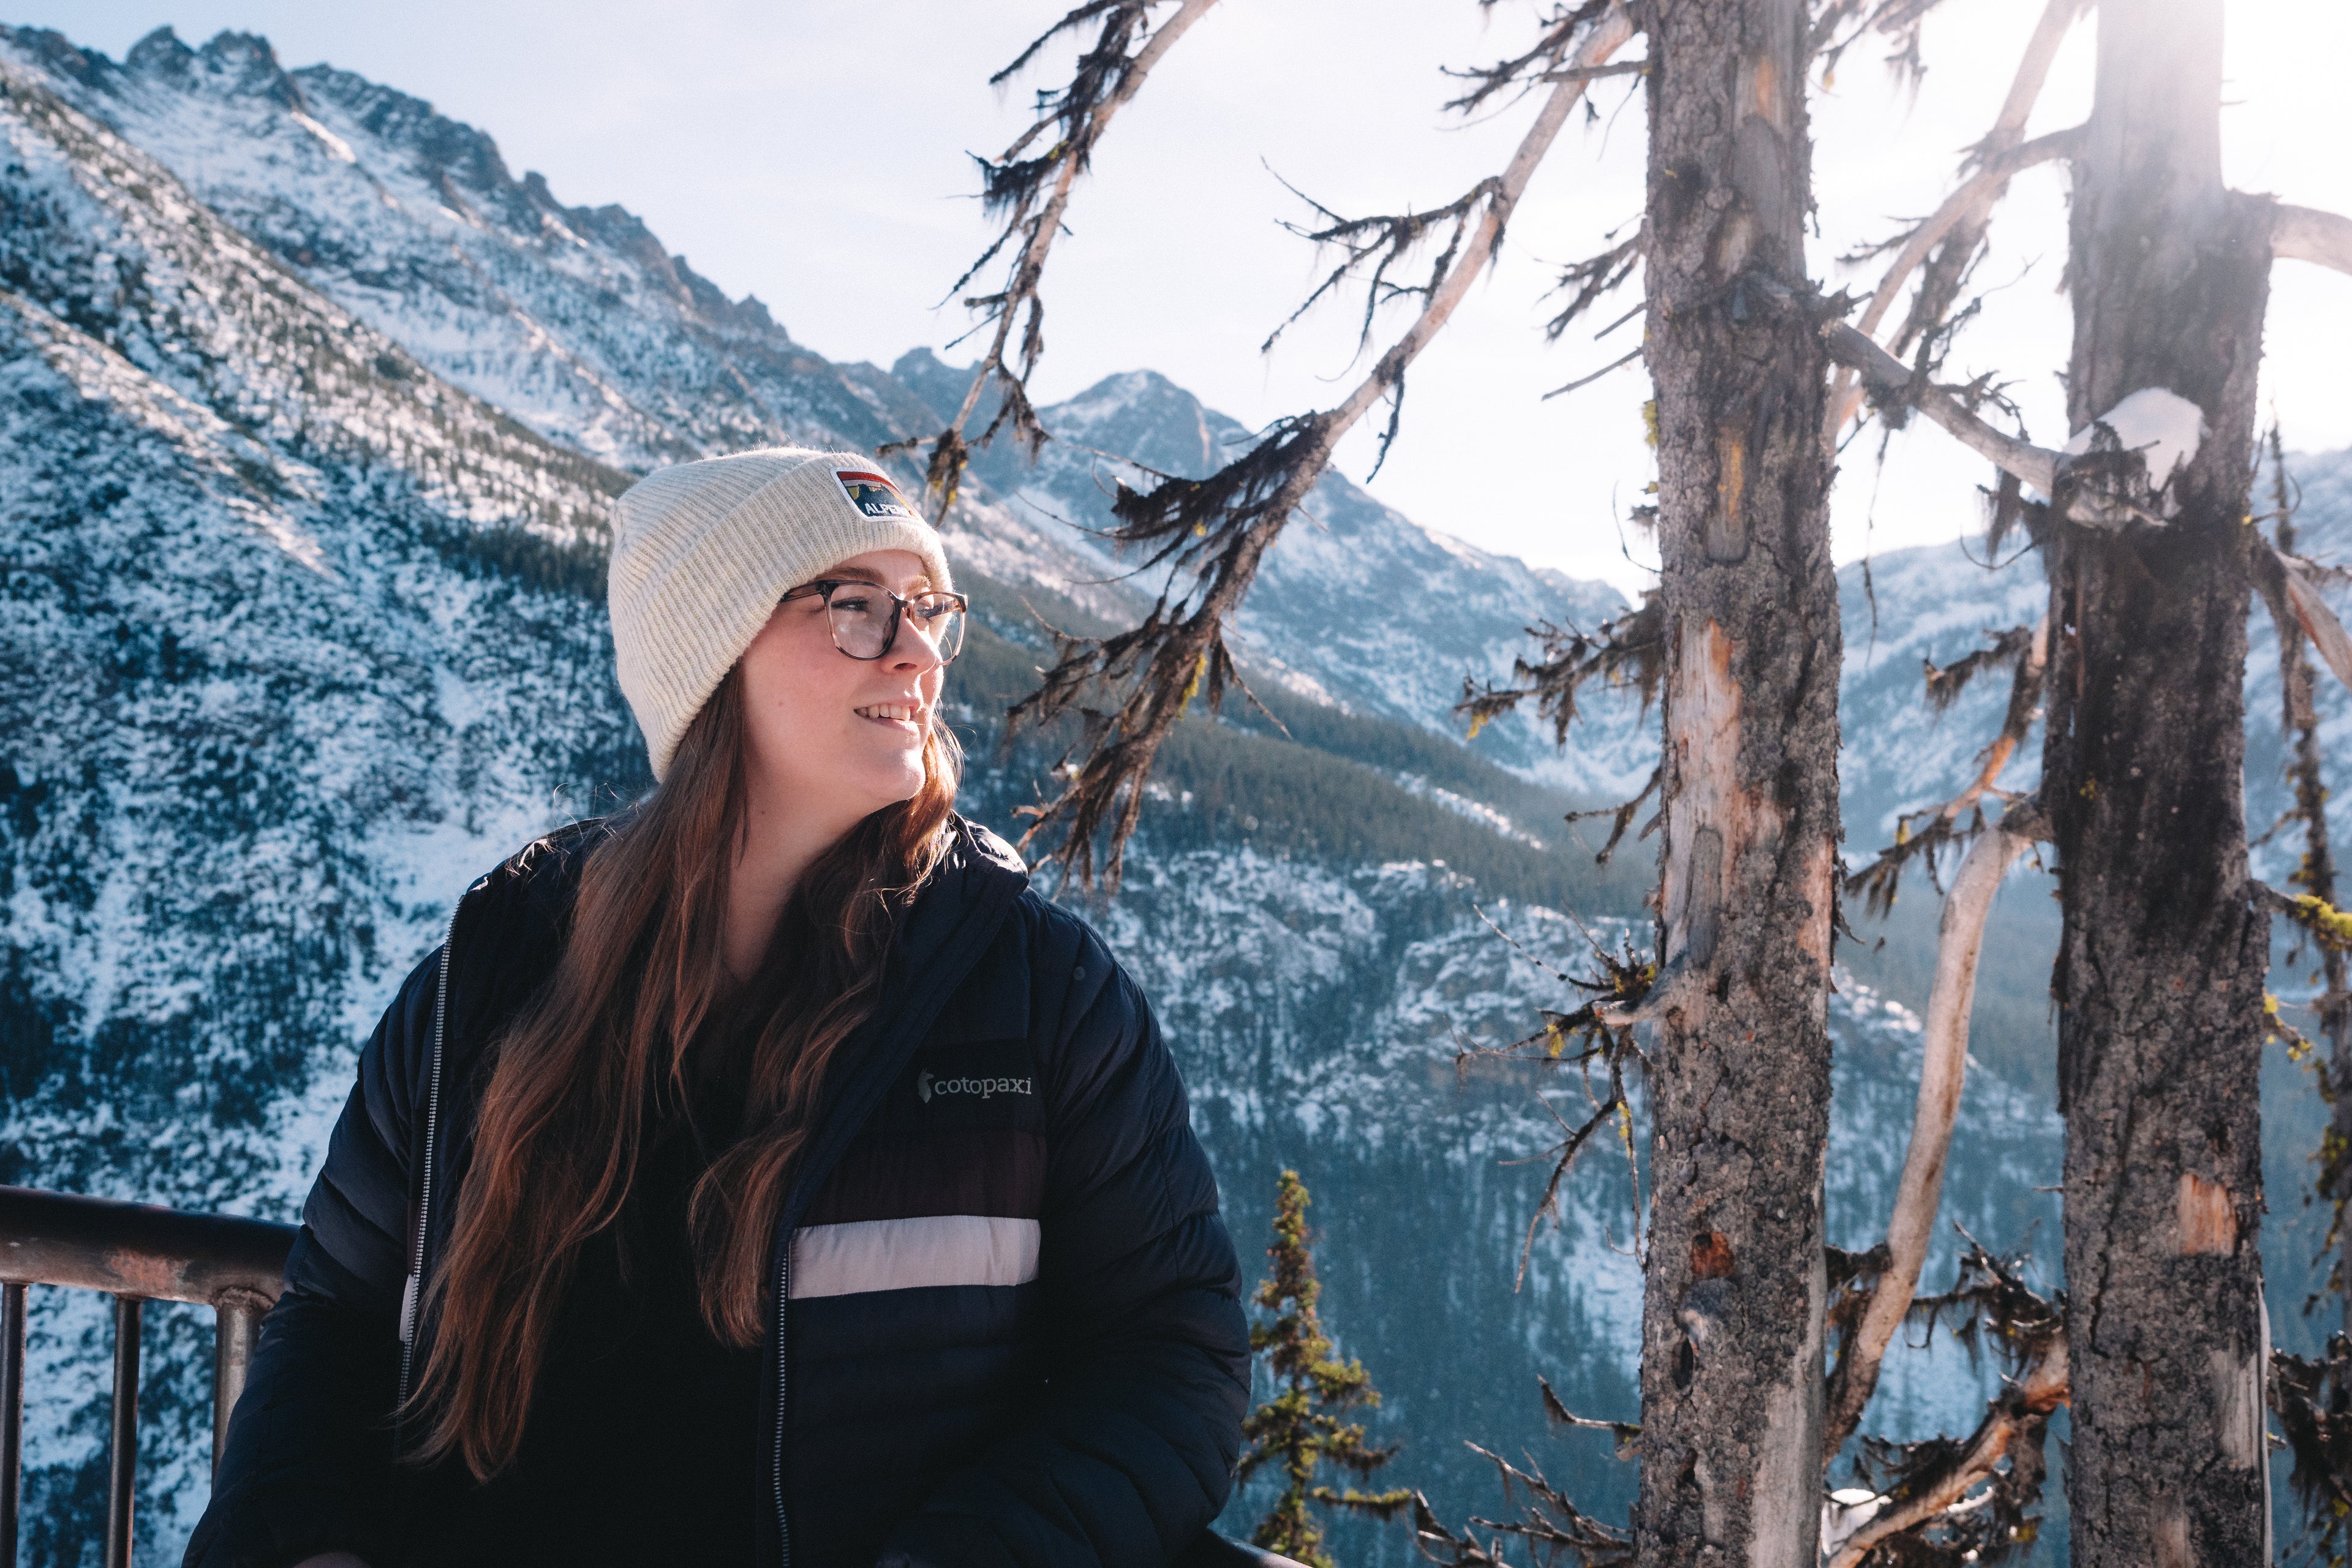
(701, 553)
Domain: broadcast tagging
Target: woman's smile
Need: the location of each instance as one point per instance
(908, 716)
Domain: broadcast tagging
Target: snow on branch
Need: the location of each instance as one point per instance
(2163, 426)
(1211, 533)
(1033, 193)
(2115, 471)
(2307, 234)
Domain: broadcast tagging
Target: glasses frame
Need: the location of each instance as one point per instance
(825, 587)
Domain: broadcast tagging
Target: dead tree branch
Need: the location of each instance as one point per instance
(1840, 24)
(1621, 815)
(2029, 650)
(1592, 279)
(1943, 1072)
(2307, 234)
(1928, 1484)
(2020, 1411)
(2316, 875)
(1551, 58)
(1033, 194)
(1889, 379)
(2286, 581)
(1218, 530)
(2313, 1401)
(2329, 928)
(1554, 1529)
(1962, 219)
(1955, 233)
(1627, 652)
(1623, 980)
(2103, 488)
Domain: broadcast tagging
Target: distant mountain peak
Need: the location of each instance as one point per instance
(231, 65)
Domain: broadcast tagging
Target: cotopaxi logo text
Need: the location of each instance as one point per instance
(984, 1087)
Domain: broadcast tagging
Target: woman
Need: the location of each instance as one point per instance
(538, 1311)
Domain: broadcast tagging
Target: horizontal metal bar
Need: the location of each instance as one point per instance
(137, 1249)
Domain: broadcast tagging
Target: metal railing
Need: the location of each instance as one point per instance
(136, 1253)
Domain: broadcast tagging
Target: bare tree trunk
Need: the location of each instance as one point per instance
(2160, 969)
(1731, 1322)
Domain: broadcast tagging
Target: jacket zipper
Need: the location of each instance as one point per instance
(413, 1291)
(970, 939)
(783, 1363)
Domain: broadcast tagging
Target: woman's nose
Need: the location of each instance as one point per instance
(914, 649)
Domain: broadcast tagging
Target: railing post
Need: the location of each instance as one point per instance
(237, 1326)
(122, 1452)
(12, 1414)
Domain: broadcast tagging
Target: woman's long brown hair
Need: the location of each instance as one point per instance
(575, 1086)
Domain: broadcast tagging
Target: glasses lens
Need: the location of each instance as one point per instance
(940, 616)
(861, 619)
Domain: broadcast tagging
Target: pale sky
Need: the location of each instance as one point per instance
(814, 155)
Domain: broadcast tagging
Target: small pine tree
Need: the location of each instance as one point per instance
(1299, 1427)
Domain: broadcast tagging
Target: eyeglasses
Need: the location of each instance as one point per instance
(864, 628)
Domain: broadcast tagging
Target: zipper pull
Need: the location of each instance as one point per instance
(408, 1311)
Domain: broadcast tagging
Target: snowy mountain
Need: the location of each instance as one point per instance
(310, 415)
(575, 323)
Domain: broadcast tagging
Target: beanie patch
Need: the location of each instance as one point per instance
(873, 495)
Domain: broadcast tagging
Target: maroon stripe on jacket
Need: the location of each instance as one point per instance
(909, 1175)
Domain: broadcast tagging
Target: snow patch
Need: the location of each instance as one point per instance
(2164, 427)
(1478, 811)
(337, 148)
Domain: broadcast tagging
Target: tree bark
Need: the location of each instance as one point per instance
(1731, 1322)
(2161, 972)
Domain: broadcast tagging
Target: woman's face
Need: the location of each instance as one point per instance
(829, 739)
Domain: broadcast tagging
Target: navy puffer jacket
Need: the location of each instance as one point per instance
(1013, 1331)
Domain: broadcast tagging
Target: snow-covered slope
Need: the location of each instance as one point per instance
(293, 632)
(576, 322)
